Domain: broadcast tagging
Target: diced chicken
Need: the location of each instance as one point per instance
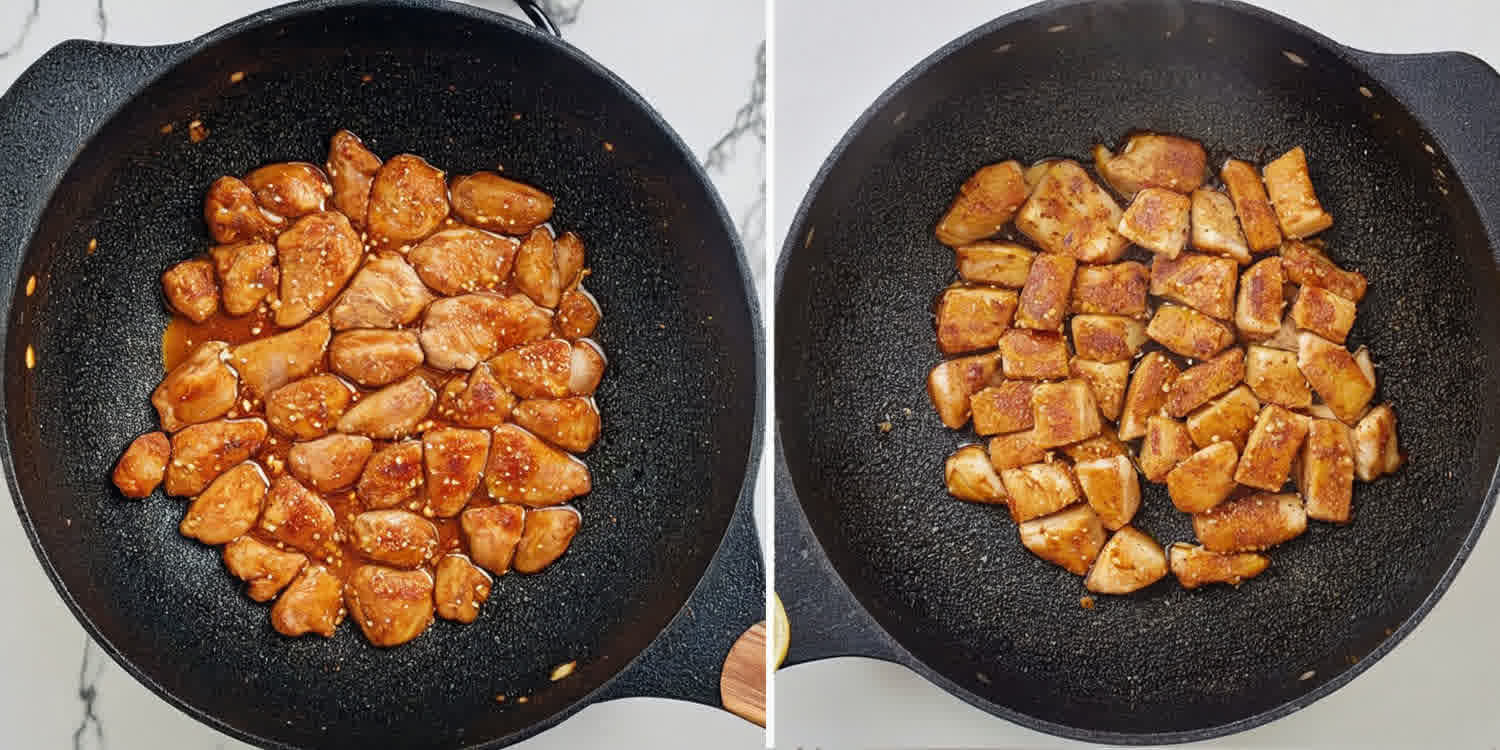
(1167, 443)
(1106, 380)
(395, 537)
(308, 408)
(385, 293)
(464, 259)
(455, 460)
(1153, 160)
(1044, 298)
(1228, 418)
(1195, 566)
(985, 202)
(539, 370)
(1204, 479)
(390, 606)
(572, 424)
(1205, 381)
(203, 387)
(569, 252)
(374, 357)
(951, 383)
(1034, 173)
(1216, 229)
(408, 201)
(1104, 445)
(586, 369)
(1376, 451)
(999, 263)
(1015, 449)
(298, 517)
(460, 332)
(1272, 446)
(973, 318)
(201, 452)
(228, 508)
(266, 569)
(1324, 313)
(1112, 489)
(1070, 539)
(545, 537)
(391, 412)
(269, 363)
(247, 273)
(1251, 523)
(351, 169)
(1114, 289)
(970, 476)
(393, 476)
(1257, 312)
(191, 289)
(491, 534)
(318, 255)
(1285, 337)
(1251, 204)
(313, 603)
(1033, 354)
(1366, 365)
(1107, 338)
(1307, 265)
(330, 463)
(1157, 220)
(1001, 408)
(1202, 282)
(461, 587)
(290, 190)
(523, 469)
(1291, 190)
(489, 201)
(233, 215)
(1065, 413)
(1325, 477)
(476, 400)
(536, 272)
(143, 465)
(1333, 372)
(1147, 395)
(1036, 490)
(1273, 375)
(577, 315)
(1130, 561)
(1068, 213)
(1188, 332)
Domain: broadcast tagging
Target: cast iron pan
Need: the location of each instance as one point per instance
(875, 559)
(665, 572)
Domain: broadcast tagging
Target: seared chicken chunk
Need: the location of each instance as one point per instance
(1068, 213)
(247, 273)
(143, 465)
(1033, 354)
(233, 215)
(374, 357)
(572, 424)
(586, 368)
(969, 475)
(1376, 451)
(455, 460)
(1205, 381)
(461, 587)
(577, 314)
(1273, 375)
(1157, 220)
(308, 408)
(351, 169)
(266, 569)
(1285, 337)
(464, 259)
(1107, 381)
(269, 363)
(408, 201)
(536, 272)
(973, 318)
(491, 534)
(1044, 298)
(1064, 412)
(523, 469)
(1324, 313)
(1147, 395)
(1188, 332)
(1070, 539)
(395, 537)
(1104, 445)
(385, 293)
(1107, 338)
(999, 263)
(1257, 312)
(460, 332)
(297, 517)
(1307, 265)
(1130, 561)
(1167, 443)
(1015, 449)
(1230, 418)
(476, 400)
(391, 412)
(1153, 160)
(1252, 205)
(545, 537)
(1204, 479)
(390, 606)
(191, 289)
(1036, 490)
(539, 370)
(318, 255)
(1291, 190)
(1195, 566)
(1001, 408)
(1202, 282)
(1326, 475)
(1333, 372)
(568, 250)
(1216, 229)
(1114, 289)
(393, 476)
(1251, 524)
(489, 201)
(951, 383)
(313, 603)
(985, 202)
(201, 452)
(330, 463)
(290, 190)
(203, 387)
(1111, 487)
(1271, 448)
(228, 508)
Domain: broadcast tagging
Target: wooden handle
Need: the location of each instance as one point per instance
(742, 684)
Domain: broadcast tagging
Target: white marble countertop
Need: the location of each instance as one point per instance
(57, 689)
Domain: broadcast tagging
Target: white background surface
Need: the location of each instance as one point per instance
(1437, 689)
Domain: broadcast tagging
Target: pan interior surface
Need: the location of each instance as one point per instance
(468, 92)
(949, 580)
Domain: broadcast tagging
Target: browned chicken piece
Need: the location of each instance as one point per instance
(233, 215)
(203, 387)
(464, 259)
(1068, 213)
(985, 202)
(385, 293)
(1216, 229)
(313, 603)
(546, 536)
(191, 289)
(1044, 298)
(1333, 372)
(201, 452)
(391, 412)
(999, 263)
(491, 534)
(266, 569)
(1033, 354)
(461, 587)
(1147, 395)
(1130, 561)
(569, 251)
(970, 476)
(539, 370)
(1285, 337)
(290, 190)
(1376, 451)
(1107, 382)
(1001, 408)
(1366, 365)
(1195, 566)
(973, 318)
(1153, 160)
(390, 606)
(308, 408)
(1114, 289)
(1205, 381)
(351, 168)
(525, 470)
(1257, 312)
(951, 383)
(572, 424)
(1291, 190)
(1065, 413)
(1229, 418)
(1251, 205)
(1325, 475)
(1036, 490)
(478, 399)
(269, 363)
(393, 476)
(1273, 375)
(1271, 448)
(374, 357)
(577, 315)
(1204, 479)
(143, 465)
(297, 517)
(1104, 445)
(455, 460)
(1203, 282)
(1158, 220)
(460, 332)
(247, 273)
(1107, 338)
(318, 255)
(1070, 539)
(395, 537)
(228, 508)
(1112, 488)
(1167, 443)
(1015, 449)
(1188, 332)
(587, 367)
(1251, 524)
(1323, 313)
(489, 201)
(330, 463)
(1307, 265)
(408, 201)
(536, 274)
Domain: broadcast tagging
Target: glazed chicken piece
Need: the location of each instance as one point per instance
(390, 606)
(1038, 489)
(203, 387)
(1107, 381)
(1111, 487)
(973, 318)
(1166, 444)
(1251, 205)
(385, 293)
(1251, 524)
(969, 475)
(545, 537)
(1376, 451)
(476, 400)
(1033, 354)
(464, 259)
(330, 463)
(1229, 417)
(408, 201)
(393, 476)
(550, 369)
(1015, 449)
(996, 263)
(572, 424)
(395, 537)
(523, 469)
(1216, 229)
(1157, 219)
(351, 169)
(951, 383)
(1273, 375)
(491, 534)
(489, 201)
(455, 460)
(1325, 477)
(461, 587)
(143, 465)
(568, 249)
(318, 255)
(1106, 444)
(247, 274)
(985, 202)
(1335, 375)
(1044, 298)
(1324, 313)
(1153, 160)
(1204, 479)
(1195, 566)
(1205, 381)
(313, 603)
(374, 357)
(1257, 312)
(233, 215)
(191, 289)
(290, 190)
(1147, 395)
(1002, 408)
(228, 508)
(537, 274)
(586, 369)
(1309, 266)
(272, 362)
(1291, 191)
(1130, 561)
(1114, 289)
(1271, 448)
(460, 332)
(1107, 338)
(577, 315)
(266, 569)
(1070, 539)
(1203, 282)
(308, 408)
(1064, 413)
(201, 452)
(298, 517)
(1068, 213)
(391, 412)
(1188, 332)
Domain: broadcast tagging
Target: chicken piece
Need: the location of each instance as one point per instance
(973, 318)
(1325, 475)
(1068, 213)
(274, 361)
(464, 259)
(999, 263)
(455, 459)
(545, 537)
(1107, 382)
(393, 476)
(1001, 408)
(318, 255)
(1130, 561)
(298, 517)
(191, 289)
(1307, 265)
(385, 293)
(951, 383)
(201, 452)
(233, 215)
(330, 463)
(308, 408)
(525, 470)
(1205, 381)
(461, 587)
(395, 537)
(1015, 449)
(1291, 190)
(351, 169)
(1365, 364)
(247, 273)
(408, 201)
(970, 476)
(313, 603)
(1324, 313)
(1065, 413)
(229, 507)
(491, 534)
(577, 314)
(1188, 332)
(1157, 220)
(1228, 418)
(489, 201)
(1273, 375)
(1271, 448)
(539, 370)
(1147, 395)
(290, 190)
(390, 606)
(1044, 298)
(374, 357)
(536, 272)
(1216, 229)
(476, 400)
(1204, 479)
(1251, 524)
(572, 424)
(1285, 337)
(1333, 372)
(266, 569)
(1167, 443)
(203, 387)
(985, 202)
(1257, 313)
(143, 465)
(1107, 338)
(1153, 160)
(1104, 445)
(1376, 451)
(1114, 289)
(1111, 487)
(460, 332)
(1070, 539)
(1202, 282)
(1036, 490)
(391, 412)
(1251, 204)
(587, 367)
(1033, 354)
(1195, 566)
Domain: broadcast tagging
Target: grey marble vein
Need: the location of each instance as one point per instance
(31, 16)
(102, 19)
(89, 733)
(749, 125)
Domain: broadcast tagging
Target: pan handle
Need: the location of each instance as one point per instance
(538, 15)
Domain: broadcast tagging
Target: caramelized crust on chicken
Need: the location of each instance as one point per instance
(523, 469)
(460, 332)
(143, 465)
(1216, 229)
(203, 387)
(191, 289)
(455, 460)
(999, 263)
(572, 424)
(1204, 479)
(1291, 190)
(973, 318)
(391, 412)
(1188, 332)
(247, 274)
(1114, 289)
(330, 463)
(1111, 487)
(464, 259)
(233, 215)
(1326, 475)
(545, 537)
(393, 476)
(1203, 382)
(408, 201)
(1252, 205)
(478, 400)
(1044, 298)
(1033, 354)
(1195, 566)
(1157, 220)
(1273, 375)
(1107, 338)
(1106, 380)
(289, 190)
(1307, 265)
(985, 202)
(1070, 539)
(1229, 418)
(491, 534)
(1130, 561)
(1271, 448)
(1015, 449)
(1202, 282)
(969, 475)
(461, 587)
(489, 201)
(1068, 213)
(1038, 489)
(1257, 313)
(313, 603)
(299, 517)
(1153, 160)
(1324, 313)
(1147, 395)
(1167, 443)
(201, 452)
(266, 569)
(395, 537)
(390, 606)
(318, 255)
(1336, 376)
(1251, 524)
(1064, 413)
(1001, 408)
(308, 408)
(274, 361)
(951, 383)
(228, 508)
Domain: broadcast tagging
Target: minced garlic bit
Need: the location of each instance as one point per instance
(197, 131)
(93, 245)
(30, 286)
(30, 357)
(237, 76)
(563, 670)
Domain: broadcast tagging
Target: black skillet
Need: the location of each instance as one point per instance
(874, 559)
(665, 572)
